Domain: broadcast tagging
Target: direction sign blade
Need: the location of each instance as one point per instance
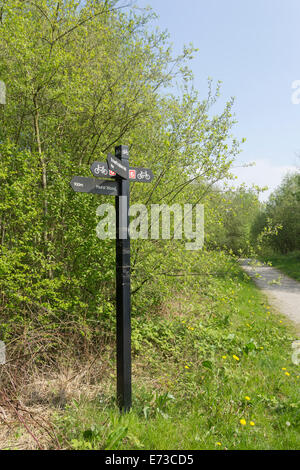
(140, 175)
(100, 169)
(118, 166)
(2, 92)
(82, 184)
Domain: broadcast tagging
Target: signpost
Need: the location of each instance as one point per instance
(117, 167)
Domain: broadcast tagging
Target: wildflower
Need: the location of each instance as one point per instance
(243, 422)
(218, 444)
(288, 423)
(247, 398)
(287, 373)
(224, 357)
(283, 368)
(252, 423)
(187, 367)
(236, 357)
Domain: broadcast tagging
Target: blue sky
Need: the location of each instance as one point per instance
(253, 47)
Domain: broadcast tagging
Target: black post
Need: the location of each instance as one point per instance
(123, 288)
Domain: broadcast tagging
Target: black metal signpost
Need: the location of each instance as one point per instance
(117, 167)
(123, 286)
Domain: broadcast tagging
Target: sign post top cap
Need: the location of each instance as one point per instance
(122, 151)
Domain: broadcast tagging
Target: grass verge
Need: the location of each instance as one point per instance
(212, 369)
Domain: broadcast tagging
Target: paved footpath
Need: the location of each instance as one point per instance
(282, 291)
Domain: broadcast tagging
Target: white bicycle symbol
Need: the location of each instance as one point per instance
(143, 175)
(100, 169)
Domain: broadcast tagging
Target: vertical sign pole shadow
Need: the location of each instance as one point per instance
(123, 287)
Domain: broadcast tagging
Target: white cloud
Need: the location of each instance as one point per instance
(264, 173)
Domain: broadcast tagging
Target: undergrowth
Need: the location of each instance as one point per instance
(212, 369)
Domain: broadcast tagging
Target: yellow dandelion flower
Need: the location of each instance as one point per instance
(218, 444)
(287, 373)
(283, 368)
(243, 422)
(247, 398)
(187, 367)
(224, 357)
(236, 357)
(252, 423)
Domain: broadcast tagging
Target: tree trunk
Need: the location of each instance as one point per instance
(44, 175)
